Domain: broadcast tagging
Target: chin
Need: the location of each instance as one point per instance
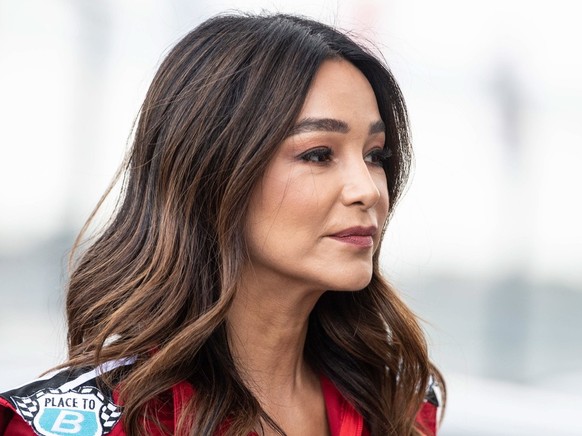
(351, 282)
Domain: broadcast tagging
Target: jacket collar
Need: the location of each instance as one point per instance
(342, 418)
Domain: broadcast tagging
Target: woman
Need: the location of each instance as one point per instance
(237, 288)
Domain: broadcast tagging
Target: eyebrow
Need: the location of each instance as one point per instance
(331, 125)
(377, 127)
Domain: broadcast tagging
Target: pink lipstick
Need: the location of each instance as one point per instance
(358, 236)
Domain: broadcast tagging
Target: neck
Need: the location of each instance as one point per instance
(267, 331)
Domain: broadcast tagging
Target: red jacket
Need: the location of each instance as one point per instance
(71, 402)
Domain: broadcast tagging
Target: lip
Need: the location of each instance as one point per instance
(357, 236)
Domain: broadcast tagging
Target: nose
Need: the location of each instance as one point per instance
(359, 187)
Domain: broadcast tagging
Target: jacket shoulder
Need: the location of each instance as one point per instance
(71, 401)
(431, 410)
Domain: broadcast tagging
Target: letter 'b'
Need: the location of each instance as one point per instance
(68, 422)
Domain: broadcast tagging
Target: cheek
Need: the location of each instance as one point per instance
(386, 202)
(273, 205)
(287, 213)
(383, 205)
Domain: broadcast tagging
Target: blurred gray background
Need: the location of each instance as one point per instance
(486, 246)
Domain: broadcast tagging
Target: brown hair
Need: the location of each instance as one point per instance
(158, 282)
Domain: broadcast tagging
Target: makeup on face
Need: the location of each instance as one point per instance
(315, 218)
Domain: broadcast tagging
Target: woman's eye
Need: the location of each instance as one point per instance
(317, 155)
(378, 156)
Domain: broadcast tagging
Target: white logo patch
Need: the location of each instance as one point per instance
(81, 412)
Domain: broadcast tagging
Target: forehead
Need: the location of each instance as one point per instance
(339, 90)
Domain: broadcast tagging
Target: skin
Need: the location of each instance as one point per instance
(325, 177)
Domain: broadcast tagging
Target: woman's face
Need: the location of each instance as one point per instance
(315, 218)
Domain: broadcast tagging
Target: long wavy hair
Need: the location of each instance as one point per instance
(157, 282)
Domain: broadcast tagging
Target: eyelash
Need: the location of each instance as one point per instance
(323, 155)
(381, 154)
